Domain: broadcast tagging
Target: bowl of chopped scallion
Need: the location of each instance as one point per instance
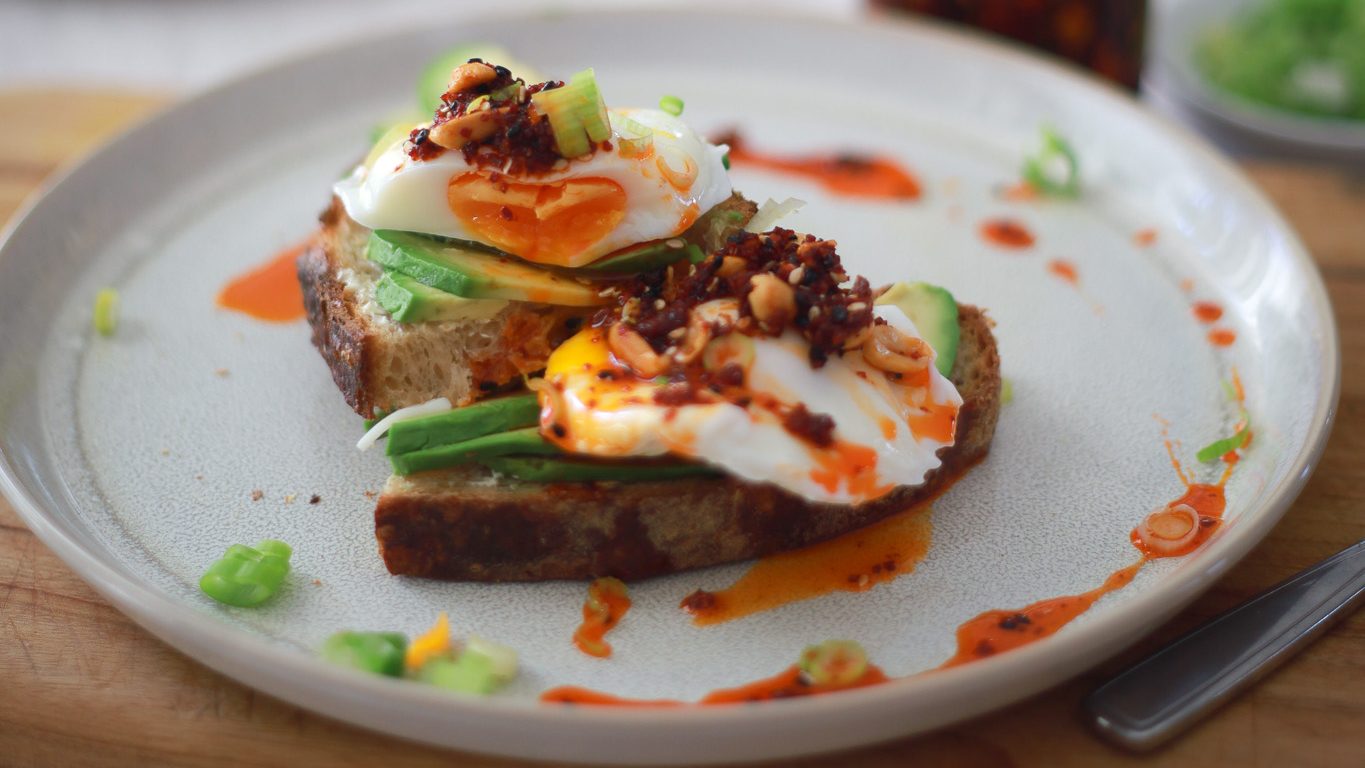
(1289, 73)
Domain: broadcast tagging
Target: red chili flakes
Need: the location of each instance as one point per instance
(828, 313)
(522, 144)
(698, 601)
(817, 428)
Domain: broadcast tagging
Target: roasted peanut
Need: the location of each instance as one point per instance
(858, 339)
(729, 265)
(631, 348)
(698, 334)
(470, 75)
(773, 301)
(889, 349)
(471, 126)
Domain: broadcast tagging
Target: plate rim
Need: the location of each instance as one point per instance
(310, 683)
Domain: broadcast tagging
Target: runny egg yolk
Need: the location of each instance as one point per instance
(551, 223)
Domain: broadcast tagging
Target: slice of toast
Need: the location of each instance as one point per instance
(381, 365)
(469, 524)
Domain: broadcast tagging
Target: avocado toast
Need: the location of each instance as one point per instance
(600, 360)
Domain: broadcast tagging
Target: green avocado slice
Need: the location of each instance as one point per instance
(409, 301)
(569, 470)
(517, 441)
(475, 274)
(463, 424)
(644, 257)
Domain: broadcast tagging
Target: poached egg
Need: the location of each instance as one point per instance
(580, 211)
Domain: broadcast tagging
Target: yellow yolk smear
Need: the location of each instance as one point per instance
(554, 223)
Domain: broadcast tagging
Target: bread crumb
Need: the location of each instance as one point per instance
(314, 499)
(317, 582)
(221, 373)
(289, 498)
(165, 451)
(198, 477)
(370, 494)
(257, 495)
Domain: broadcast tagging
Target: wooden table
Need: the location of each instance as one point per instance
(80, 684)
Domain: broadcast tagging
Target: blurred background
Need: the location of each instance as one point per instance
(1279, 78)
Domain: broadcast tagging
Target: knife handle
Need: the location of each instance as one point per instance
(1162, 695)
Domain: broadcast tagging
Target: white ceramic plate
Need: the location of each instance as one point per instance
(135, 462)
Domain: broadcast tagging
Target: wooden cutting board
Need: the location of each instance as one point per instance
(80, 684)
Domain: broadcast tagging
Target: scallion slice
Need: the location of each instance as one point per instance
(1218, 448)
(672, 105)
(247, 576)
(1041, 170)
(106, 312)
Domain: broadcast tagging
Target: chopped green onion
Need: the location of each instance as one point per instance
(378, 652)
(512, 93)
(672, 105)
(1040, 170)
(1006, 391)
(247, 576)
(725, 160)
(1303, 56)
(106, 311)
(1217, 448)
(636, 139)
(834, 662)
(467, 673)
(502, 659)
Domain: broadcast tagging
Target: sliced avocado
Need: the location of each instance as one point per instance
(517, 441)
(462, 424)
(567, 470)
(475, 274)
(436, 76)
(409, 301)
(647, 256)
(934, 312)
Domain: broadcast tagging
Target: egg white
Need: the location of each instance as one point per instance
(752, 443)
(396, 192)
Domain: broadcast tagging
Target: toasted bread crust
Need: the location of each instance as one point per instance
(340, 331)
(461, 524)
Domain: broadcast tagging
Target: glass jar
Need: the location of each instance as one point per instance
(1105, 36)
